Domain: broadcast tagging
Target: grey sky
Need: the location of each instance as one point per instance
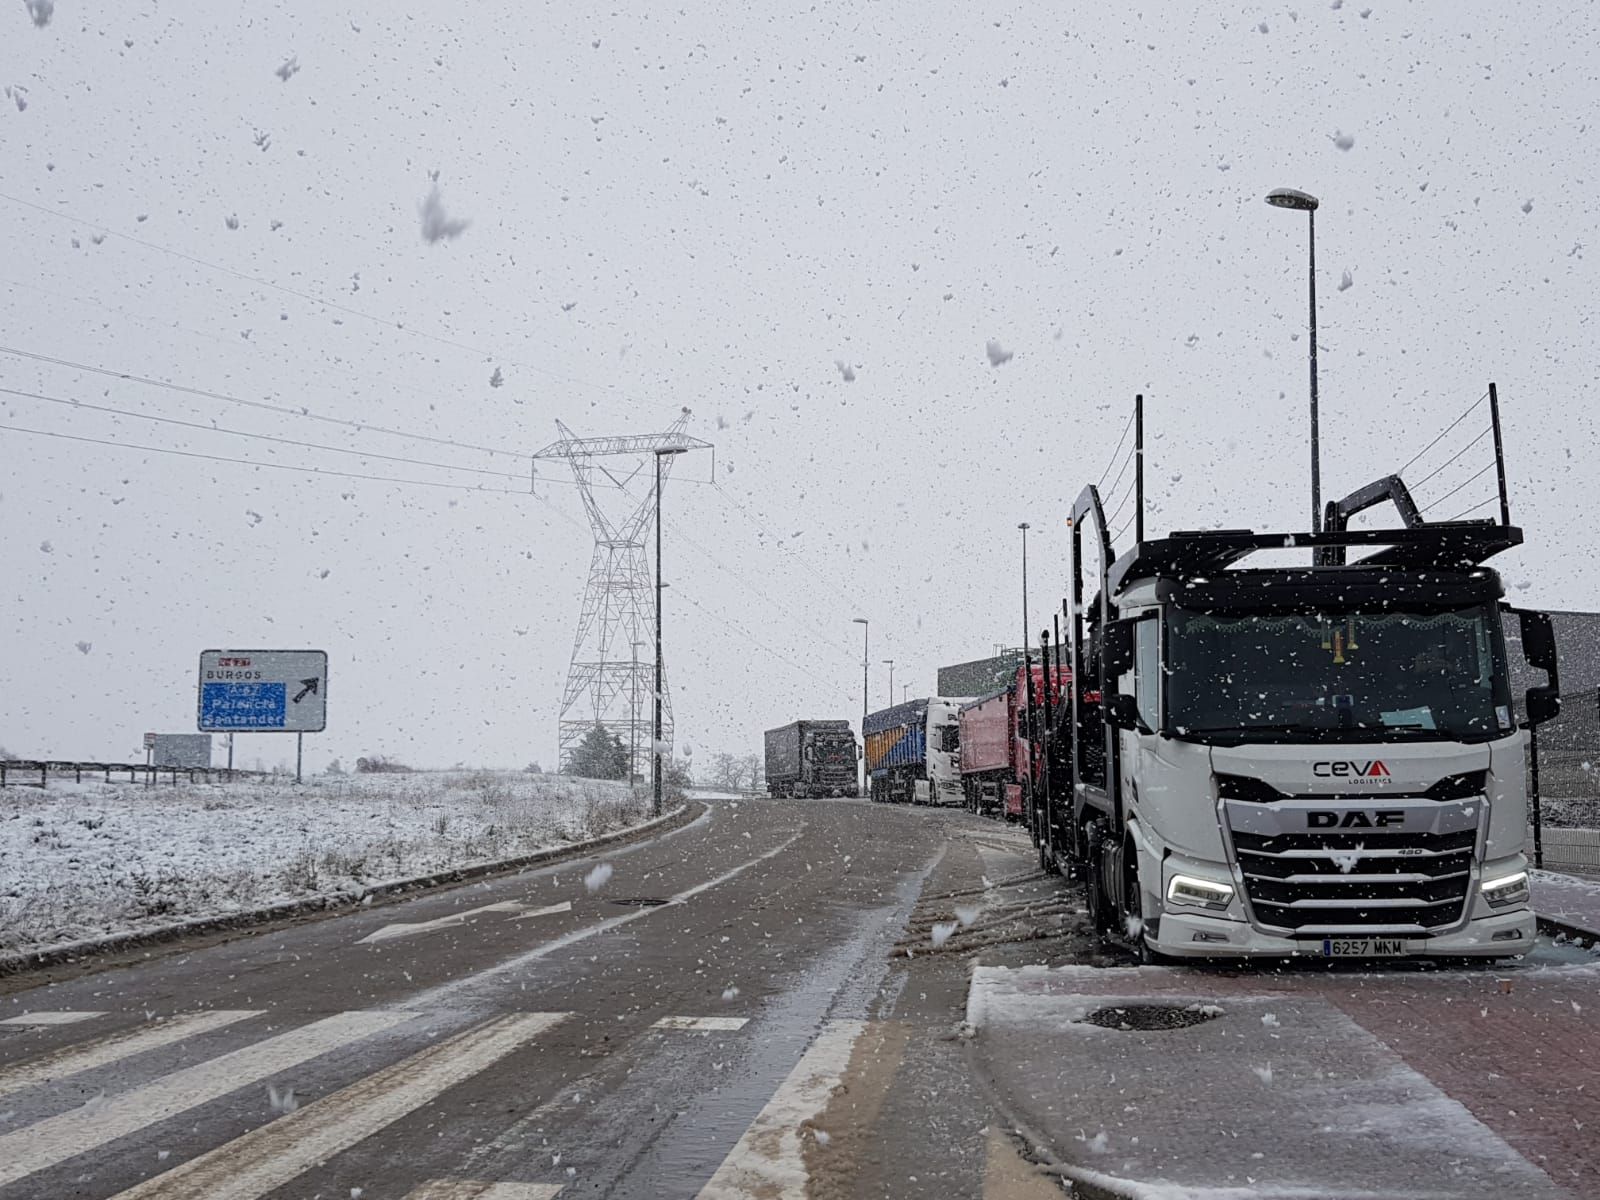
(711, 208)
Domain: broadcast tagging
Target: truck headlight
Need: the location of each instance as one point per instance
(1200, 893)
(1508, 889)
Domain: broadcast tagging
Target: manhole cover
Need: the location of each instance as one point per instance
(1152, 1016)
(640, 901)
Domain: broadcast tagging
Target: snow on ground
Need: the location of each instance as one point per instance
(83, 860)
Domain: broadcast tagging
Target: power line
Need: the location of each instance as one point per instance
(1488, 429)
(255, 347)
(1459, 486)
(782, 545)
(1446, 430)
(309, 297)
(252, 462)
(1114, 453)
(283, 410)
(1475, 507)
(265, 437)
(753, 640)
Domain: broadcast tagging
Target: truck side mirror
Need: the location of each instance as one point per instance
(1539, 648)
(1538, 640)
(1122, 711)
(1542, 704)
(1116, 648)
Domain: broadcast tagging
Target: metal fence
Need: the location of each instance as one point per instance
(38, 773)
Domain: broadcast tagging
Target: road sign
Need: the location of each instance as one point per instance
(149, 741)
(263, 691)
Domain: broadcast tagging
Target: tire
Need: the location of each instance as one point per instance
(1093, 885)
(1133, 905)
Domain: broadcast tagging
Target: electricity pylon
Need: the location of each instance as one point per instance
(607, 684)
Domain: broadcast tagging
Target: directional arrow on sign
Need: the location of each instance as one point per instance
(308, 687)
(516, 908)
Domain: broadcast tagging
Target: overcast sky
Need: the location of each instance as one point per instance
(711, 207)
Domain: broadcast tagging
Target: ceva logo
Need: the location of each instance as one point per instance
(1345, 770)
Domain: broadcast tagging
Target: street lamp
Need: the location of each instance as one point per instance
(1024, 526)
(866, 631)
(890, 663)
(1303, 202)
(655, 762)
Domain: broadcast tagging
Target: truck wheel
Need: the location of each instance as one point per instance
(1133, 913)
(1093, 885)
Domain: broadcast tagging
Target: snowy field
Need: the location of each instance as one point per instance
(83, 860)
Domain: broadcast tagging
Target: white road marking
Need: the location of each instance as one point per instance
(768, 1162)
(546, 911)
(271, 1155)
(702, 1024)
(73, 1059)
(104, 1119)
(51, 1018)
(434, 995)
(457, 918)
(474, 1189)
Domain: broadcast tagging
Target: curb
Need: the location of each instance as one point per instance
(20, 963)
(1581, 934)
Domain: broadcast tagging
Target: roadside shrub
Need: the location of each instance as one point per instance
(380, 764)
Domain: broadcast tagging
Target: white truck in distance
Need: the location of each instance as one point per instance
(1321, 760)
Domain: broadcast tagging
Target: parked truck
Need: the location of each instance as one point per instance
(812, 758)
(1319, 758)
(999, 766)
(914, 753)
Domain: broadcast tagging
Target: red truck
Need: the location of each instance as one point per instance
(995, 758)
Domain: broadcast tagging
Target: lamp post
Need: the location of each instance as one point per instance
(866, 631)
(633, 721)
(655, 761)
(1303, 202)
(1024, 526)
(889, 662)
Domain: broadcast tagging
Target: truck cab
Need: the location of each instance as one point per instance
(1322, 760)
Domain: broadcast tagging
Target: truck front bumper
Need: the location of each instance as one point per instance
(1181, 934)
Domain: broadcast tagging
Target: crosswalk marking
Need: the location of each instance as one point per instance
(702, 1024)
(72, 1059)
(768, 1161)
(270, 1156)
(475, 1189)
(51, 1018)
(107, 1118)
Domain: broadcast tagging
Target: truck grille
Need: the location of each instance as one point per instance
(1317, 882)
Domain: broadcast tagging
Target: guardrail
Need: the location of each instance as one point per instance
(37, 773)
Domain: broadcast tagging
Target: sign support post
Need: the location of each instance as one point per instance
(299, 754)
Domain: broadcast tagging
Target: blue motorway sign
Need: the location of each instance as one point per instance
(243, 705)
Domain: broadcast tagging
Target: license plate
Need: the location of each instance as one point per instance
(1363, 948)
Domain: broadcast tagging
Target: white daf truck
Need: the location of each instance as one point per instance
(1305, 757)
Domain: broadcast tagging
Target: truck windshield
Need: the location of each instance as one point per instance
(1338, 674)
(835, 751)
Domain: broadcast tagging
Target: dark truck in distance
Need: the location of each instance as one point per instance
(811, 758)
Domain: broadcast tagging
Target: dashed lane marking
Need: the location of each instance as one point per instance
(51, 1018)
(71, 1060)
(456, 919)
(441, 993)
(702, 1024)
(107, 1118)
(270, 1156)
(473, 1189)
(768, 1160)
